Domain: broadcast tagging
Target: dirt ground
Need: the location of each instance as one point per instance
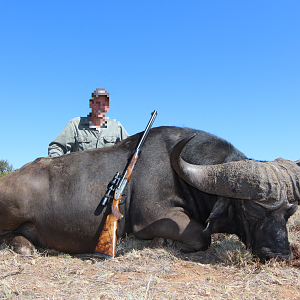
(225, 271)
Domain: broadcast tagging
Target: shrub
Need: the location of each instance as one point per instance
(5, 167)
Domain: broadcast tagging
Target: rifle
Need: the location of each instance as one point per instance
(106, 246)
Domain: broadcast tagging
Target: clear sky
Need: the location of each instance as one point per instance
(231, 68)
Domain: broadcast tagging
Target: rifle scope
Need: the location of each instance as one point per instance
(111, 187)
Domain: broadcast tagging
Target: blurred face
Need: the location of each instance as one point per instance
(99, 106)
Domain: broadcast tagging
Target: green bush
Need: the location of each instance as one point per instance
(5, 167)
(5, 173)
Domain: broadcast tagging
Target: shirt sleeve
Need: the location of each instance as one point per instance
(124, 134)
(64, 142)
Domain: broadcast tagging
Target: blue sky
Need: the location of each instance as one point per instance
(231, 68)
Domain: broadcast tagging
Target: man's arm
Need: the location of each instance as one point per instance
(65, 141)
(55, 149)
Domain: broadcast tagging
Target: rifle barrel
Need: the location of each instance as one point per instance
(142, 140)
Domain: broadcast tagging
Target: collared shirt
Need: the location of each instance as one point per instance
(79, 135)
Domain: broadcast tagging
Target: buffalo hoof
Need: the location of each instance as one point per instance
(22, 246)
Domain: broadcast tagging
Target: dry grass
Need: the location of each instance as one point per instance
(226, 271)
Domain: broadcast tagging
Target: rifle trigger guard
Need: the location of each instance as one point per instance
(120, 203)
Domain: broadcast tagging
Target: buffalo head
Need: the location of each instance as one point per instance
(255, 199)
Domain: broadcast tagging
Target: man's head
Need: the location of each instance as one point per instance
(99, 103)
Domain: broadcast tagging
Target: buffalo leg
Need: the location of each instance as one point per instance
(23, 239)
(18, 243)
(177, 226)
(22, 246)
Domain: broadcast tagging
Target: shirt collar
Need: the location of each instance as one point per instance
(103, 125)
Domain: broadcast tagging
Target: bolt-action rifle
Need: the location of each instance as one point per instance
(106, 246)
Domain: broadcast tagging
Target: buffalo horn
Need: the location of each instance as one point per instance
(265, 182)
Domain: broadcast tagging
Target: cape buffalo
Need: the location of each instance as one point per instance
(268, 194)
(54, 202)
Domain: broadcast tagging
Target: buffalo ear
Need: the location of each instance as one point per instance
(218, 219)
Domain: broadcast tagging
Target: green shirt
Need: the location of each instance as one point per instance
(79, 135)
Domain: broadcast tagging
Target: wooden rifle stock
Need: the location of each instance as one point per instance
(107, 241)
(106, 246)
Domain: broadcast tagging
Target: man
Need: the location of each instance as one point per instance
(93, 131)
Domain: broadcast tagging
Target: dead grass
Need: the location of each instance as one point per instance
(226, 271)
